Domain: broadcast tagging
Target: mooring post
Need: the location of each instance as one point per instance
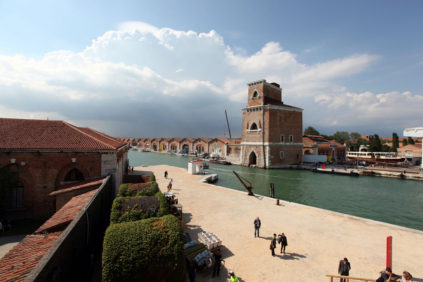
(389, 252)
(272, 190)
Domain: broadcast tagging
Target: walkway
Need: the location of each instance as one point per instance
(317, 239)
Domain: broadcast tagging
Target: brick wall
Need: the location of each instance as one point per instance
(41, 173)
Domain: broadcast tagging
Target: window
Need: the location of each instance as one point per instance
(291, 138)
(253, 126)
(255, 95)
(282, 155)
(282, 138)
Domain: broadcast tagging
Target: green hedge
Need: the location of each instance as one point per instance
(138, 189)
(144, 250)
(135, 212)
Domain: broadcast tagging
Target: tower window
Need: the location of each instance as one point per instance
(253, 126)
(255, 95)
(291, 138)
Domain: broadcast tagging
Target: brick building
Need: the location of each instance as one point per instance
(271, 130)
(319, 149)
(45, 155)
(271, 133)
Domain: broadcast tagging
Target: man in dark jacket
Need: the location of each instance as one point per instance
(284, 242)
(257, 224)
(273, 245)
(344, 268)
(217, 255)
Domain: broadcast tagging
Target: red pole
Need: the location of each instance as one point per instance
(389, 251)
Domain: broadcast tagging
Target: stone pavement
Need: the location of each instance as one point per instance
(317, 238)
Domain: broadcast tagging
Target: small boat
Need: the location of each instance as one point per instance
(222, 162)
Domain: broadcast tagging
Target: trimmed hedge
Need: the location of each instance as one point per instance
(138, 189)
(144, 250)
(134, 212)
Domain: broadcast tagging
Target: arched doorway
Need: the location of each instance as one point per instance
(199, 149)
(185, 148)
(16, 197)
(252, 160)
(74, 175)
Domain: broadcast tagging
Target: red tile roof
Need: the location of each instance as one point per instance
(18, 134)
(67, 213)
(22, 258)
(77, 186)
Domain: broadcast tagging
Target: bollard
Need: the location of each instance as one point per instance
(389, 251)
(277, 202)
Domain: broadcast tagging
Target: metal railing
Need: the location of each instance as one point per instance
(349, 278)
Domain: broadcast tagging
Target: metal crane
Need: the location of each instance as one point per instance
(247, 184)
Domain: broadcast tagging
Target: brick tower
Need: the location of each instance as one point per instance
(271, 130)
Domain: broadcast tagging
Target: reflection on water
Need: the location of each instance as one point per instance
(390, 200)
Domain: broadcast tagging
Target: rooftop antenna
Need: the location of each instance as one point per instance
(227, 122)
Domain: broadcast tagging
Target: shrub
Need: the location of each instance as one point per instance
(144, 250)
(134, 208)
(138, 189)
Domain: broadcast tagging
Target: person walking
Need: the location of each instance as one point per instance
(257, 224)
(169, 186)
(284, 242)
(344, 268)
(217, 255)
(165, 174)
(233, 276)
(273, 245)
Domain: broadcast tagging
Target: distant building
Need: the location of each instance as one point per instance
(271, 130)
(319, 149)
(412, 153)
(48, 155)
(271, 133)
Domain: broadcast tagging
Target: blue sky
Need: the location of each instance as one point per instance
(352, 65)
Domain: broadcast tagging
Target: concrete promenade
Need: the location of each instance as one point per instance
(317, 238)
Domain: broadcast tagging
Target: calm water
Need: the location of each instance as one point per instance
(389, 200)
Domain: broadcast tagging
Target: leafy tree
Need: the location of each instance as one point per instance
(311, 131)
(355, 136)
(395, 142)
(341, 137)
(404, 142)
(410, 140)
(375, 144)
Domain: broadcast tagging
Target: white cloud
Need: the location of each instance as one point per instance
(145, 80)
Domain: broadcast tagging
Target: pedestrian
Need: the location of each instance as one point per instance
(165, 174)
(257, 224)
(217, 255)
(284, 242)
(344, 268)
(273, 245)
(406, 276)
(233, 276)
(387, 275)
(169, 186)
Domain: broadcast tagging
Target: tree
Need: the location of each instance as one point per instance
(311, 131)
(410, 140)
(375, 144)
(404, 142)
(395, 142)
(341, 136)
(355, 136)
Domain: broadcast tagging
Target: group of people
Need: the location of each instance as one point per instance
(388, 275)
(281, 238)
(385, 276)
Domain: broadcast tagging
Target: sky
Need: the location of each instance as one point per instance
(171, 68)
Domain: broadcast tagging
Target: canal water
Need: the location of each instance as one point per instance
(389, 200)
